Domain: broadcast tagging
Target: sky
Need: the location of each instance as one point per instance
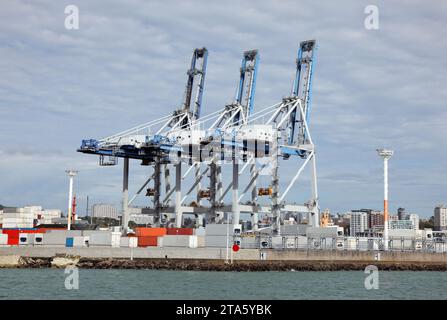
(127, 62)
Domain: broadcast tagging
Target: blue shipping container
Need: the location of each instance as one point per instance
(69, 242)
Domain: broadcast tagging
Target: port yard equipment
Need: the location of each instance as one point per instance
(239, 129)
(152, 149)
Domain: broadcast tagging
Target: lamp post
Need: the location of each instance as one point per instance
(386, 155)
(71, 174)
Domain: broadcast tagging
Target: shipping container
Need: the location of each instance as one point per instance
(330, 231)
(124, 242)
(200, 241)
(218, 229)
(100, 238)
(178, 241)
(180, 231)
(54, 239)
(147, 241)
(200, 231)
(144, 232)
(69, 242)
(277, 242)
(37, 239)
(218, 241)
(3, 239)
(294, 229)
(25, 239)
(249, 242)
(67, 233)
(128, 242)
(133, 242)
(115, 241)
(13, 236)
(81, 241)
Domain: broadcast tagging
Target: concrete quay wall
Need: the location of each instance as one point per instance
(221, 254)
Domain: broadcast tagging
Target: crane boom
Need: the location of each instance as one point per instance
(302, 90)
(196, 77)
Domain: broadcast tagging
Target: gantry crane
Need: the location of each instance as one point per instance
(232, 116)
(153, 149)
(293, 138)
(236, 130)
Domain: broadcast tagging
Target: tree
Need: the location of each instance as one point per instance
(132, 225)
(430, 223)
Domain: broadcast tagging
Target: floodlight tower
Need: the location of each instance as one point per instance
(71, 174)
(385, 154)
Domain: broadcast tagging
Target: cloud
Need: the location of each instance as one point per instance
(127, 65)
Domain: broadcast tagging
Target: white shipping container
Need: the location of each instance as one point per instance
(218, 229)
(80, 241)
(177, 241)
(66, 233)
(133, 242)
(3, 239)
(200, 231)
(37, 239)
(115, 241)
(277, 242)
(101, 238)
(331, 231)
(125, 242)
(25, 239)
(54, 239)
(218, 241)
(249, 242)
(200, 241)
(128, 242)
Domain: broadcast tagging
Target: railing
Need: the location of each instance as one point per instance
(343, 243)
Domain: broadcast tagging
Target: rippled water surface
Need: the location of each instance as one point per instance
(157, 284)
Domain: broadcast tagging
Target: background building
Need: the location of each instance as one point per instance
(375, 218)
(415, 219)
(358, 222)
(102, 210)
(393, 217)
(325, 219)
(440, 218)
(401, 214)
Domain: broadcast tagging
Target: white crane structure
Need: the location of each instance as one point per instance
(236, 135)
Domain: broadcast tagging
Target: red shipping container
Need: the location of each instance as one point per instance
(13, 234)
(13, 241)
(145, 232)
(180, 231)
(147, 241)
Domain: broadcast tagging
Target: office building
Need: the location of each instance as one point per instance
(358, 222)
(440, 214)
(104, 211)
(414, 218)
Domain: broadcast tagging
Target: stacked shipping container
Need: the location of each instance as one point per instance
(148, 237)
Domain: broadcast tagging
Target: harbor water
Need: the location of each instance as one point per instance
(184, 285)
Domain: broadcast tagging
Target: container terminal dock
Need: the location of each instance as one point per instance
(226, 165)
